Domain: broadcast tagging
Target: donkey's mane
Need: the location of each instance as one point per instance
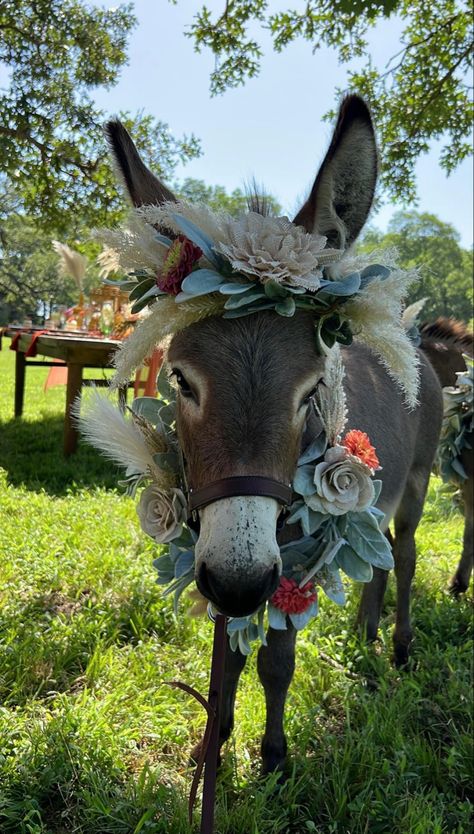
(450, 332)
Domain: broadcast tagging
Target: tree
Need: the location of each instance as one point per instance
(426, 242)
(422, 94)
(52, 147)
(217, 198)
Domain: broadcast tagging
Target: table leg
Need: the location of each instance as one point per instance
(74, 385)
(20, 365)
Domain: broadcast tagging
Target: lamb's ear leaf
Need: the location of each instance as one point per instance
(276, 618)
(201, 282)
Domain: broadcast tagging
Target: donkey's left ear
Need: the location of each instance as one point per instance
(343, 191)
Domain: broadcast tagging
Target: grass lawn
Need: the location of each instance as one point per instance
(92, 742)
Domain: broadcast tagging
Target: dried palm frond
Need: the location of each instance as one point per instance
(71, 263)
(121, 440)
(133, 247)
(331, 398)
(375, 315)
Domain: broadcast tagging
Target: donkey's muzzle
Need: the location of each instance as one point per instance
(237, 596)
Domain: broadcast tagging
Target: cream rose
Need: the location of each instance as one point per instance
(343, 484)
(162, 514)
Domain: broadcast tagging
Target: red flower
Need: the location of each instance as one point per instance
(181, 257)
(359, 445)
(292, 599)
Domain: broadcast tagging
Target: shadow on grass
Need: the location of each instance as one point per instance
(31, 452)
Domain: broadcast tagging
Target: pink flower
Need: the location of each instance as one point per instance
(181, 257)
(292, 599)
(358, 444)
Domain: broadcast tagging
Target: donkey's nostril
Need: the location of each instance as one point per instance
(237, 595)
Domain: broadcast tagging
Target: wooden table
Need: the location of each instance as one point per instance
(78, 352)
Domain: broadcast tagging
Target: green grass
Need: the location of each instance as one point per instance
(93, 742)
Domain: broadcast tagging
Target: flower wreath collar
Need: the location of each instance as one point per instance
(211, 264)
(334, 504)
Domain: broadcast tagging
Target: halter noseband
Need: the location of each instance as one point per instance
(240, 485)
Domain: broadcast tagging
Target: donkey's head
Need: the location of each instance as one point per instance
(244, 384)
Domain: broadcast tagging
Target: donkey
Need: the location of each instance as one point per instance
(444, 341)
(242, 410)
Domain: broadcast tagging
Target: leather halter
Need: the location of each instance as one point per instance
(240, 485)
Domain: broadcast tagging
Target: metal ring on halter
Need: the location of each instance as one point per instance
(240, 485)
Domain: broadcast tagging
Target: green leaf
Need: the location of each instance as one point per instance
(348, 560)
(366, 538)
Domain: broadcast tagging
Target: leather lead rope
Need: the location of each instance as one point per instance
(210, 743)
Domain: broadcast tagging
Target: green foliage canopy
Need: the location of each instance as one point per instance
(421, 94)
(52, 148)
(426, 242)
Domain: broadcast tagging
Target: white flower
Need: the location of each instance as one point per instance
(273, 248)
(343, 484)
(162, 514)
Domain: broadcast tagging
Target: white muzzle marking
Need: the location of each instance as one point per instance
(238, 536)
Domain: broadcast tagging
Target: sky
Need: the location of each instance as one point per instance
(271, 128)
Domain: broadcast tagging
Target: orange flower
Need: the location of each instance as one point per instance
(358, 444)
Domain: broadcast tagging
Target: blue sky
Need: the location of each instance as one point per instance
(272, 128)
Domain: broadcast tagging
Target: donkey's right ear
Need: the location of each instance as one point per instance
(143, 187)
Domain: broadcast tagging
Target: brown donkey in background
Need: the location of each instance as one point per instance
(242, 408)
(444, 341)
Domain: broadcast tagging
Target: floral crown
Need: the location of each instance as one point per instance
(214, 265)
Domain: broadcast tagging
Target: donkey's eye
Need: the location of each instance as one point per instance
(308, 397)
(184, 387)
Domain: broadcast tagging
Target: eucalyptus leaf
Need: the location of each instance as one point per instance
(377, 489)
(244, 646)
(139, 305)
(234, 288)
(314, 450)
(201, 282)
(303, 482)
(237, 623)
(286, 307)
(274, 290)
(184, 563)
(235, 301)
(141, 288)
(149, 408)
(347, 286)
(246, 311)
(125, 286)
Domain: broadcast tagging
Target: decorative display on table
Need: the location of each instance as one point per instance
(458, 425)
(107, 312)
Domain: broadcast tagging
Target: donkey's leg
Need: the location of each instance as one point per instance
(276, 664)
(404, 553)
(371, 600)
(234, 663)
(460, 580)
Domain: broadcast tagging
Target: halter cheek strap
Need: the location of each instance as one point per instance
(239, 485)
